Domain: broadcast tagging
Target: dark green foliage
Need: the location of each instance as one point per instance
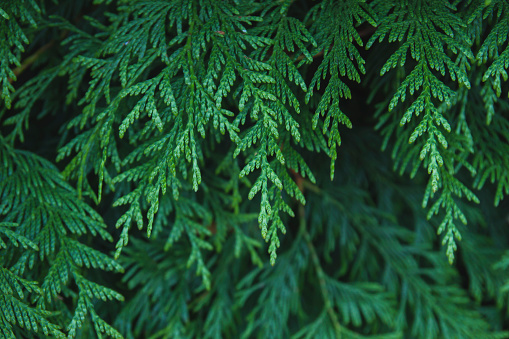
(49, 218)
(13, 40)
(363, 144)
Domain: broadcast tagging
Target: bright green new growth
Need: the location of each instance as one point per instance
(197, 121)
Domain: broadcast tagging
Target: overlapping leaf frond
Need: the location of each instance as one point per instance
(201, 129)
(494, 46)
(14, 15)
(405, 265)
(433, 45)
(334, 28)
(50, 218)
(218, 62)
(17, 313)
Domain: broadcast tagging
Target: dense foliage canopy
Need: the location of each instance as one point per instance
(254, 169)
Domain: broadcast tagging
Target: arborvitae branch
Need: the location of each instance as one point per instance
(195, 134)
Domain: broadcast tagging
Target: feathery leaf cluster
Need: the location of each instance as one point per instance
(174, 138)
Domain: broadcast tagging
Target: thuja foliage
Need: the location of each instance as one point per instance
(254, 169)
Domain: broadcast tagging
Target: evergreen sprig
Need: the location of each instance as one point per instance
(342, 60)
(13, 40)
(427, 31)
(196, 135)
(49, 219)
(17, 313)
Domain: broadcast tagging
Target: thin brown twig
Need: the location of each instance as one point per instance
(30, 60)
(302, 183)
